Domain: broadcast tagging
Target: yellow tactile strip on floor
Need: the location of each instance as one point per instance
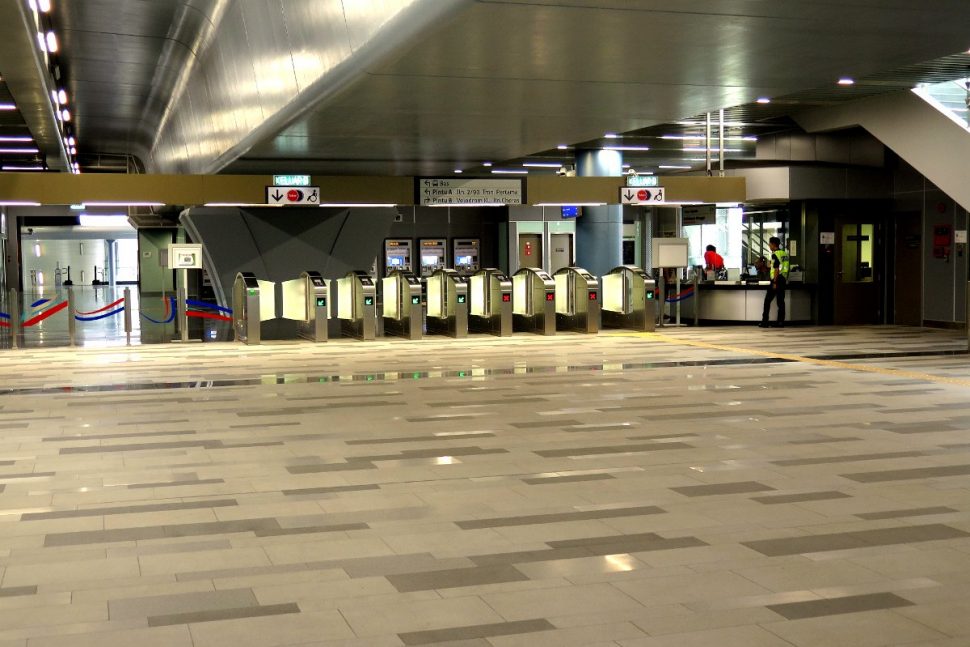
(894, 372)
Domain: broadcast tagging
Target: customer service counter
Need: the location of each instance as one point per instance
(724, 301)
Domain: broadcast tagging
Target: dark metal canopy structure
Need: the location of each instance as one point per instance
(426, 87)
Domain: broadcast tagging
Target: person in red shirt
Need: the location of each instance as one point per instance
(713, 260)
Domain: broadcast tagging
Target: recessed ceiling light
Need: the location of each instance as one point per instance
(846, 81)
(62, 97)
(486, 164)
(764, 100)
(51, 42)
(509, 171)
(458, 170)
(562, 147)
(44, 5)
(554, 165)
(7, 106)
(611, 136)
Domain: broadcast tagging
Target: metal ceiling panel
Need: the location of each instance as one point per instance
(424, 86)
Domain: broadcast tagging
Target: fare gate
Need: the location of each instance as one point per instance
(447, 304)
(490, 309)
(577, 301)
(401, 309)
(253, 302)
(629, 299)
(306, 300)
(357, 306)
(533, 302)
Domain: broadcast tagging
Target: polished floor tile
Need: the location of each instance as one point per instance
(713, 486)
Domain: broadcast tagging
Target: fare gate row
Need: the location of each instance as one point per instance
(448, 303)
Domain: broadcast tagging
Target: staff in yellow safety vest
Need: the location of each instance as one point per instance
(780, 266)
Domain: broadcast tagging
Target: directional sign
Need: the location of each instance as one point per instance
(642, 180)
(451, 191)
(291, 180)
(642, 196)
(293, 195)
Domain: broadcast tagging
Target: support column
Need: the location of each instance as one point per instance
(109, 274)
(599, 232)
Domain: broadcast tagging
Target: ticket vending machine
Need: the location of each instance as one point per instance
(398, 255)
(357, 306)
(577, 300)
(306, 300)
(533, 302)
(466, 255)
(629, 299)
(490, 294)
(447, 304)
(401, 309)
(433, 255)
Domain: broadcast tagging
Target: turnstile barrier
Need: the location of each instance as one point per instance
(628, 299)
(533, 302)
(577, 300)
(401, 309)
(490, 302)
(447, 298)
(357, 305)
(253, 302)
(306, 300)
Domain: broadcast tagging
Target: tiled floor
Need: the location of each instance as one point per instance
(722, 487)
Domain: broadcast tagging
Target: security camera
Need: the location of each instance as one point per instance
(30, 231)
(562, 171)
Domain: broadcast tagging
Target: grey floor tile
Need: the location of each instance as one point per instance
(908, 512)
(128, 509)
(836, 606)
(739, 487)
(909, 474)
(446, 579)
(476, 631)
(855, 539)
(586, 515)
(801, 497)
(222, 614)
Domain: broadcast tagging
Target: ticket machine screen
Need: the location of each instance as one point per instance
(432, 255)
(397, 255)
(466, 255)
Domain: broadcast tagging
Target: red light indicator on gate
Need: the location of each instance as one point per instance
(592, 296)
(550, 296)
(506, 298)
(293, 195)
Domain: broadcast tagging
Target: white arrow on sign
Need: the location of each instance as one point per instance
(293, 195)
(652, 195)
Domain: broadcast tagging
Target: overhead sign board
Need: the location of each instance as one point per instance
(291, 180)
(699, 214)
(642, 180)
(459, 192)
(655, 195)
(307, 195)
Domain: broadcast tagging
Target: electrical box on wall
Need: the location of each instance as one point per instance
(942, 241)
(182, 257)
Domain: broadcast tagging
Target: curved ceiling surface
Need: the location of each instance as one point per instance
(427, 86)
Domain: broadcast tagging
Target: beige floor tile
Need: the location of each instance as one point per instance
(96, 569)
(273, 631)
(750, 636)
(177, 636)
(870, 629)
(367, 618)
(202, 561)
(544, 603)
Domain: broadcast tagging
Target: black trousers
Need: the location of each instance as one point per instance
(776, 291)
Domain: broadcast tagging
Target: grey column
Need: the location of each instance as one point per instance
(599, 232)
(109, 274)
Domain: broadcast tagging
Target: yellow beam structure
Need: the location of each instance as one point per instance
(187, 190)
